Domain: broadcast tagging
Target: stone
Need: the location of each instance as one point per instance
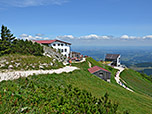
(17, 64)
(2, 65)
(7, 63)
(45, 64)
(10, 66)
(41, 67)
(54, 60)
(51, 64)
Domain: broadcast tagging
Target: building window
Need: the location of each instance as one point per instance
(58, 44)
(101, 74)
(61, 44)
(54, 44)
(61, 50)
(65, 44)
(65, 50)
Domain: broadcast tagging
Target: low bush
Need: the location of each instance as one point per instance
(29, 97)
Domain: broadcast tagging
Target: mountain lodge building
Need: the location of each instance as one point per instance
(114, 59)
(64, 47)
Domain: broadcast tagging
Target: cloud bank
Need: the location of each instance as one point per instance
(147, 37)
(97, 37)
(126, 37)
(30, 37)
(28, 3)
(87, 37)
(96, 40)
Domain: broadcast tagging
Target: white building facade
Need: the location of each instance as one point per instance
(118, 61)
(61, 46)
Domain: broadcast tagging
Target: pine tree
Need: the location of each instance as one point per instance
(6, 40)
(6, 34)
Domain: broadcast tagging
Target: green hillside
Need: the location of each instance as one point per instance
(31, 97)
(137, 82)
(135, 103)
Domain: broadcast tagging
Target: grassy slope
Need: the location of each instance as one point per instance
(84, 80)
(127, 100)
(28, 62)
(112, 70)
(136, 82)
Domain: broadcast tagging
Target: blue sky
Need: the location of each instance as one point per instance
(93, 22)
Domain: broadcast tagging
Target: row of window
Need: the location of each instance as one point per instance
(59, 44)
(63, 50)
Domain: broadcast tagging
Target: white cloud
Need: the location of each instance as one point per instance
(23, 35)
(39, 34)
(65, 37)
(30, 37)
(105, 37)
(27, 3)
(88, 37)
(91, 36)
(94, 36)
(126, 37)
(147, 37)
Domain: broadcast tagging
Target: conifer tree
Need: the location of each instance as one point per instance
(8, 44)
(6, 34)
(6, 40)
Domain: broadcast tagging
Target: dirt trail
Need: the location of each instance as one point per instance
(117, 78)
(16, 74)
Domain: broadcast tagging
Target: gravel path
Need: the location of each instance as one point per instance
(16, 74)
(117, 78)
(89, 64)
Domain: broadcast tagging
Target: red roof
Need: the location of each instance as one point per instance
(95, 69)
(45, 41)
(50, 41)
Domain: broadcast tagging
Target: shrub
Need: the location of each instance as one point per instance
(32, 98)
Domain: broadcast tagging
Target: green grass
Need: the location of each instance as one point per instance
(27, 96)
(28, 62)
(135, 103)
(84, 80)
(137, 82)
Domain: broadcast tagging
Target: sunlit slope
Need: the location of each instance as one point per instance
(137, 82)
(135, 103)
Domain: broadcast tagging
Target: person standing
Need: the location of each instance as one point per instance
(70, 62)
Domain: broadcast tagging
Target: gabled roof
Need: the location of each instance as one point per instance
(50, 41)
(95, 69)
(112, 56)
(45, 41)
